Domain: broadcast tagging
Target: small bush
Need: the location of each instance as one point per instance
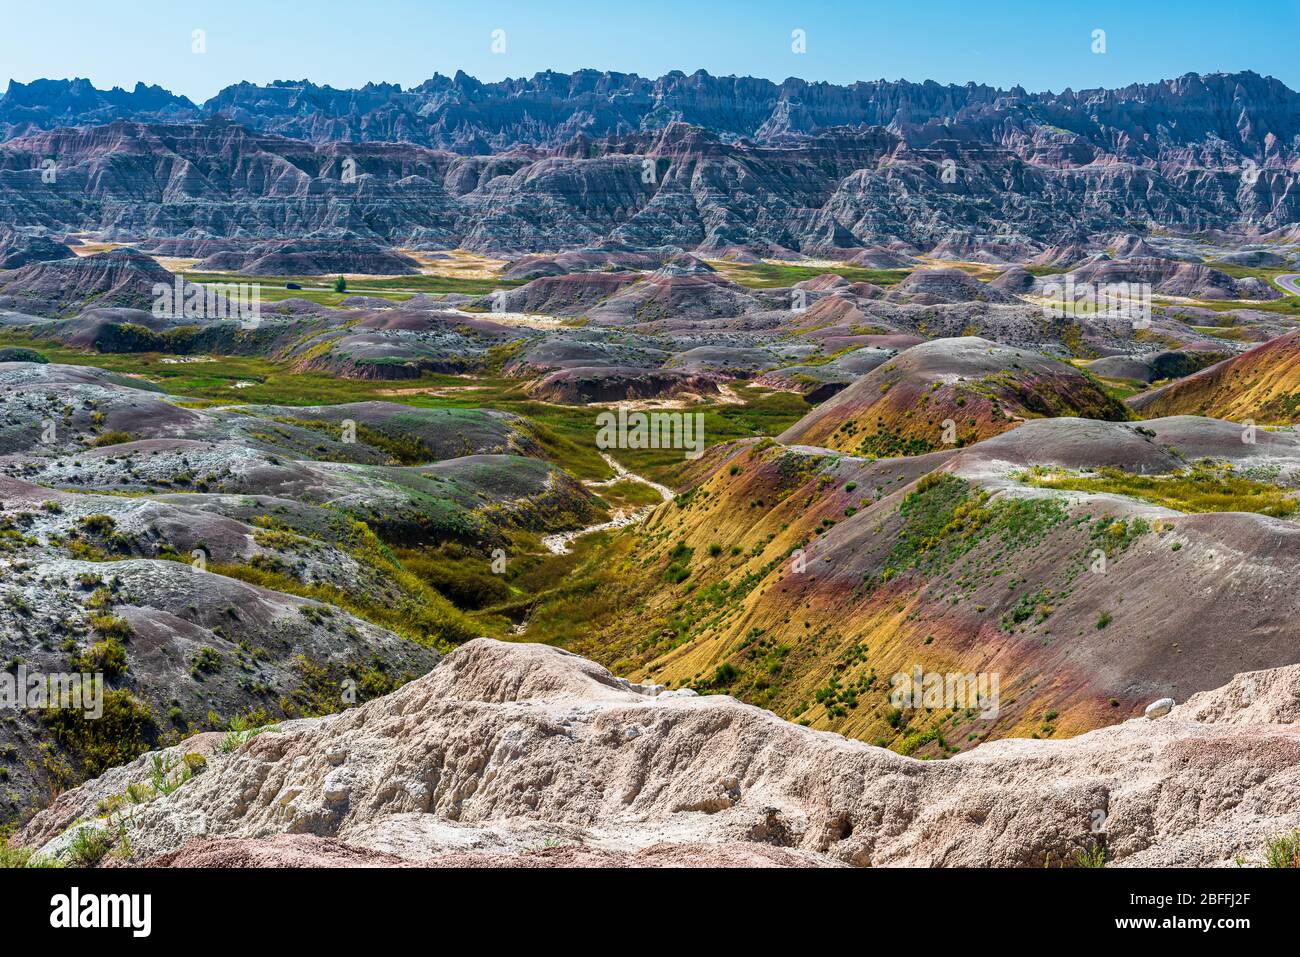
(123, 733)
(98, 524)
(88, 847)
(13, 857)
(107, 657)
(724, 675)
(1283, 851)
(111, 628)
(205, 661)
(1096, 857)
(196, 763)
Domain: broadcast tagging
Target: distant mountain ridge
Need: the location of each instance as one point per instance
(49, 104)
(699, 162)
(1234, 114)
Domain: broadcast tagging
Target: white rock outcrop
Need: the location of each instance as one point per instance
(1158, 709)
(511, 748)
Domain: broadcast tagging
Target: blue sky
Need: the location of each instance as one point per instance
(1040, 44)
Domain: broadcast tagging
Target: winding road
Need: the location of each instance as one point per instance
(1288, 282)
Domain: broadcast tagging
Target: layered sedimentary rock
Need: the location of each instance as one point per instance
(692, 162)
(1262, 385)
(949, 392)
(1216, 112)
(18, 249)
(502, 749)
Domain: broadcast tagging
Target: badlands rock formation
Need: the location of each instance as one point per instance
(465, 115)
(1262, 384)
(556, 162)
(17, 249)
(504, 750)
(978, 387)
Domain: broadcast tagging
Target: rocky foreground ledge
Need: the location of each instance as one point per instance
(527, 755)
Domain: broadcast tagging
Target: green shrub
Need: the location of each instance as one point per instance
(724, 675)
(107, 657)
(89, 846)
(123, 733)
(196, 763)
(678, 558)
(467, 582)
(14, 857)
(111, 628)
(205, 661)
(1283, 850)
(98, 524)
(1095, 857)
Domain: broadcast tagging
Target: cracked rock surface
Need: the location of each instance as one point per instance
(524, 751)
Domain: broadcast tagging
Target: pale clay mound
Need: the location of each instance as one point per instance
(534, 753)
(303, 850)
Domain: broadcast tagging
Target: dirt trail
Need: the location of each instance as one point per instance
(559, 543)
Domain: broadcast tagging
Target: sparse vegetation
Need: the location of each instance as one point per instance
(90, 844)
(124, 732)
(1206, 487)
(1093, 857)
(205, 661)
(1283, 850)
